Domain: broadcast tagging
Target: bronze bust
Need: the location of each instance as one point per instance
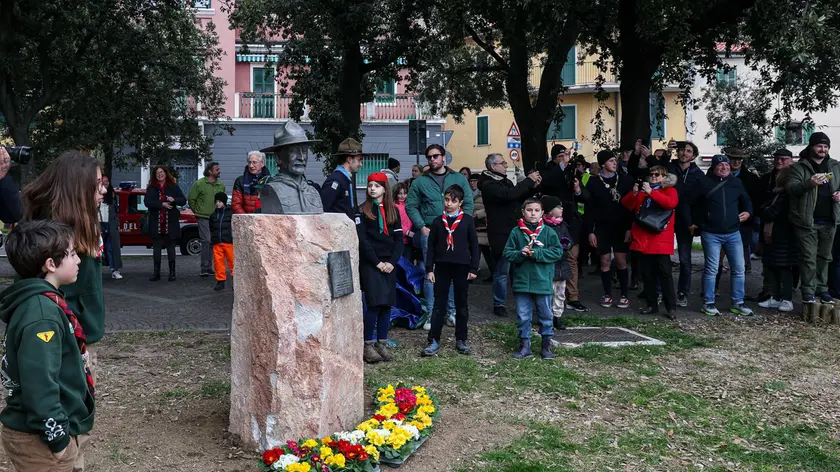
(288, 192)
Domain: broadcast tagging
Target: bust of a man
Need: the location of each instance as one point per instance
(288, 192)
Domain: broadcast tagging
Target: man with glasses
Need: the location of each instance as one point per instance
(425, 203)
(502, 202)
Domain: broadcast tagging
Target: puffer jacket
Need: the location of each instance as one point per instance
(648, 242)
(221, 226)
(248, 200)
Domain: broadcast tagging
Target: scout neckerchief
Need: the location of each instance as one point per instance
(450, 240)
(648, 200)
(533, 235)
(78, 332)
(383, 223)
(616, 197)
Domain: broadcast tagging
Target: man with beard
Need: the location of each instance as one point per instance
(814, 189)
(688, 178)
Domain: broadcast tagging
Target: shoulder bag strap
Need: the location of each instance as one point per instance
(715, 188)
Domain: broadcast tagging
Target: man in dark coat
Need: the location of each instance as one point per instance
(502, 202)
(752, 184)
(337, 193)
(688, 178)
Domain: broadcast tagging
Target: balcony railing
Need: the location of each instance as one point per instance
(385, 107)
(581, 74)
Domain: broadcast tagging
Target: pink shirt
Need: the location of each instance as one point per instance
(406, 222)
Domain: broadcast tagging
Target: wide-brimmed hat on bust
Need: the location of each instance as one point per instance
(734, 153)
(350, 147)
(288, 134)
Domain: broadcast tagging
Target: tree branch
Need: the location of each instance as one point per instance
(483, 45)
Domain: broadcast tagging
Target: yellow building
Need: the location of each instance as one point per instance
(486, 132)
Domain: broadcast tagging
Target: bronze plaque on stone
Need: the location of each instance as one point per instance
(341, 273)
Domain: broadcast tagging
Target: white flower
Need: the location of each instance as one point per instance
(394, 422)
(354, 437)
(411, 429)
(382, 432)
(284, 461)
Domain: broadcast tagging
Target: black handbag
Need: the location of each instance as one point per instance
(652, 217)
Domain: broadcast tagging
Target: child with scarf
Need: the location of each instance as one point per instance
(380, 246)
(452, 260)
(553, 217)
(533, 252)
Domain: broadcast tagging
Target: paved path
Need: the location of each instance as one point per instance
(190, 303)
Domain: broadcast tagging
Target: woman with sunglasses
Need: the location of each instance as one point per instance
(656, 247)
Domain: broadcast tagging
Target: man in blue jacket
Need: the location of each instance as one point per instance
(725, 205)
(688, 179)
(337, 193)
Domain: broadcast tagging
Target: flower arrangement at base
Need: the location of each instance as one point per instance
(403, 419)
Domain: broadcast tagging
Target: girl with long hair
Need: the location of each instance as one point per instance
(163, 197)
(380, 245)
(400, 194)
(110, 225)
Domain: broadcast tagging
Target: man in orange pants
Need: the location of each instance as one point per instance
(221, 235)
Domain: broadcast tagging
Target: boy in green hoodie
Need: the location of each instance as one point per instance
(532, 251)
(49, 390)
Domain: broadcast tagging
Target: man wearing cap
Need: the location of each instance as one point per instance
(814, 189)
(337, 193)
(558, 155)
(392, 172)
(725, 205)
(689, 177)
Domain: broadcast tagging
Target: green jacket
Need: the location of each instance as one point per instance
(533, 274)
(202, 197)
(51, 398)
(803, 196)
(85, 298)
(424, 202)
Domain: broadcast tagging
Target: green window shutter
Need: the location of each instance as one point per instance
(721, 136)
(565, 130)
(807, 131)
(657, 122)
(263, 106)
(482, 131)
(780, 134)
(386, 92)
(569, 68)
(271, 163)
(371, 163)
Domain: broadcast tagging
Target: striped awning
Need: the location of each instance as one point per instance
(256, 58)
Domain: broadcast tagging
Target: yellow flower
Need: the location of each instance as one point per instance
(310, 443)
(298, 467)
(424, 418)
(419, 389)
(427, 409)
(388, 410)
(327, 452)
(326, 441)
(417, 424)
(422, 400)
(336, 460)
(375, 438)
(397, 441)
(368, 425)
(389, 425)
(372, 452)
(388, 391)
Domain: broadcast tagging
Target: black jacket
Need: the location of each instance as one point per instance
(221, 227)
(719, 209)
(561, 184)
(376, 247)
(687, 181)
(465, 249)
(752, 184)
(11, 206)
(642, 172)
(335, 194)
(601, 207)
(153, 203)
(781, 250)
(503, 204)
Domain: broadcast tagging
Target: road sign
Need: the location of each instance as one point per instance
(514, 155)
(416, 137)
(514, 131)
(514, 143)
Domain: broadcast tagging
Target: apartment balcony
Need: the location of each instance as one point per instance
(581, 76)
(385, 107)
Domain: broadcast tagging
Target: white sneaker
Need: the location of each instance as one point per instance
(770, 303)
(786, 306)
(116, 275)
(427, 326)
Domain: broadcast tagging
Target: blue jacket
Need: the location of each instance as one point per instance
(719, 209)
(335, 194)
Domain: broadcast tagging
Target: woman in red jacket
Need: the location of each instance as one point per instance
(656, 247)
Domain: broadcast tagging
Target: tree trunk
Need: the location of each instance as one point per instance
(351, 87)
(108, 153)
(635, 89)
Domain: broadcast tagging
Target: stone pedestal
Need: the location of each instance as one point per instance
(296, 353)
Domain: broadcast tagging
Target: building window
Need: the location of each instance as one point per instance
(372, 163)
(727, 78)
(569, 68)
(263, 96)
(657, 116)
(386, 92)
(201, 4)
(566, 129)
(795, 133)
(482, 131)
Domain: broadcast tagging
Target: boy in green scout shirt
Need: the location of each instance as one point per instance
(49, 390)
(532, 250)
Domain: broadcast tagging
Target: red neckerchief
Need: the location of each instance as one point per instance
(533, 235)
(450, 241)
(78, 332)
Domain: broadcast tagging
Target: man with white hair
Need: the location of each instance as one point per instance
(246, 187)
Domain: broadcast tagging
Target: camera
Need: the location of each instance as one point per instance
(19, 154)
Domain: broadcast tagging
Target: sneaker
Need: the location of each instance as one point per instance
(577, 306)
(450, 320)
(623, 302)
(606, 301)
(432, 349)
(770, 303)
(808, 298)
(558, 323)
(462, 347)
(427, 326)
(741, 310)
(204, 273)
(710, 310)
(786, 306)
(682, 300)
(649, 310)
(659, 299)
(116, 275)
(826, 297)
(500, 311)
(220, 285)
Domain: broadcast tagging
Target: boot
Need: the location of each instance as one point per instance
(220, 285)
(383, 351)
(171, 271)
(524, 349)
(370, 354)
(156, 276)
(546, 348)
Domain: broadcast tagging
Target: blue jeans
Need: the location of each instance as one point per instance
(524, 314)
(106, 241)
(500, 281)
(731, 245)
(428, 287)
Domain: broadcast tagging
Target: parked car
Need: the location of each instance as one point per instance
(132, 209)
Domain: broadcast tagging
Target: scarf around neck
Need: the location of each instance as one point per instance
(532, 235)
(450, 240)
(380, 211)
(78, 332)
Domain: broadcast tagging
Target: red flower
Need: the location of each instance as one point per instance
(399, 417)
(379, 417)
(271, 456)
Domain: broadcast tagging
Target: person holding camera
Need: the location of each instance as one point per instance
(11, 207)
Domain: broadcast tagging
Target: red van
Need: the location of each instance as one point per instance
(132, 209)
